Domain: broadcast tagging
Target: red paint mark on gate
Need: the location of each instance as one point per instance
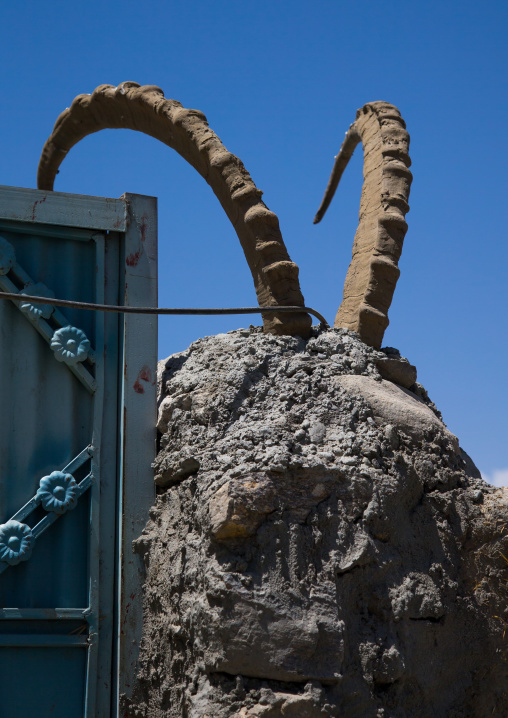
(39, 201)
(133, 259)
(145, 374)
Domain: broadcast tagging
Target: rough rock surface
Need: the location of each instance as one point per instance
(320, 544)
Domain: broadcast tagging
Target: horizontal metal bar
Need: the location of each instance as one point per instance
(205, 311)
(59, 208)
(47, 230)
(23, 640)
(35, 614)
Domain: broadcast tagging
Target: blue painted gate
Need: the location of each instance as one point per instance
(77, 437)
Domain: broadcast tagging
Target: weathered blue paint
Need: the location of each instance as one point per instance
(77, 438)
(13, 278)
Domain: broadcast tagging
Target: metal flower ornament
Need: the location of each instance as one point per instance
(16, 540)
(58, 492)
(34, 311)
(70, 345)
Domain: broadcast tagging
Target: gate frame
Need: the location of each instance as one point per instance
(131, 222)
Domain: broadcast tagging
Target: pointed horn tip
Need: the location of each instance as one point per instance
(320, 214)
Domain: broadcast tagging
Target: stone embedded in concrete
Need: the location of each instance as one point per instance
(285, 705)
(239, 507)
(177, 468)
(398, 407)
(397, 370)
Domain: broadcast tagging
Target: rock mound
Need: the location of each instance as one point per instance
(320, 546)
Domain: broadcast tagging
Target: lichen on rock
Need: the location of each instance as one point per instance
(320, 546)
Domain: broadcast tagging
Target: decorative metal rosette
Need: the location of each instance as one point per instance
(16, 541)
(58, 492)
(7, 256)
(37, 310)
(70, 345)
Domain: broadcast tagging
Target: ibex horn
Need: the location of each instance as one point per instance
(373, 272)
(144, 108)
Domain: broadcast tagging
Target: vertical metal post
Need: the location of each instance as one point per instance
(138, 409)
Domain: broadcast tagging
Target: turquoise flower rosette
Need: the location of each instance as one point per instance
(58, 492)
(35, 311)
(16, 542)
(70, 345)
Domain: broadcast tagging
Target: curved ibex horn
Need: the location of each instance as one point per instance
(144, 108)
(373, 272)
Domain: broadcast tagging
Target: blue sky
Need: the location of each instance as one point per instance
(280, 83)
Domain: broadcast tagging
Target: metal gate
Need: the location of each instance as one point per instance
(77, 438)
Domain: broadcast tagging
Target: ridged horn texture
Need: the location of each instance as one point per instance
(145, 109)
(373, 272)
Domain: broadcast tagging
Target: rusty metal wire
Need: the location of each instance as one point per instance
(161, 310)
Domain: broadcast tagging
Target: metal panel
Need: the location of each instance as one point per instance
(36, 667)
(58, 590)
